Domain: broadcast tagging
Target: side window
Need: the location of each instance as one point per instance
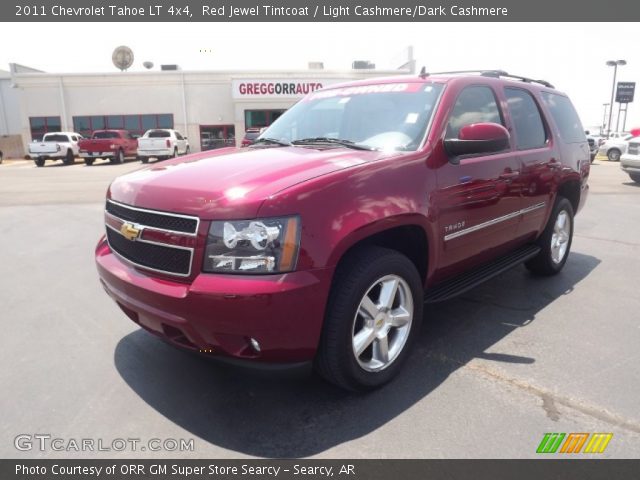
(475, 104)
(526, 118)
(565, 117)
(74, 138)
(178, 136)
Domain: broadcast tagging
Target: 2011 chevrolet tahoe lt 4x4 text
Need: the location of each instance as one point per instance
(322, 241)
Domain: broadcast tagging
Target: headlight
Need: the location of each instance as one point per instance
(266, 245)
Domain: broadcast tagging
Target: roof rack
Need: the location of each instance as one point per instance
(487, 73)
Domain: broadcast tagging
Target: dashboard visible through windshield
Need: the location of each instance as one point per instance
(392, 116)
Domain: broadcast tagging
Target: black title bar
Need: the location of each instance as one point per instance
(318, 11)
(574, 469)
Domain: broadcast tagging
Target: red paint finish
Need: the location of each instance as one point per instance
(122, 141)
(342, 196)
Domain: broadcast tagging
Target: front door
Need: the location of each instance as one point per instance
(477, 200)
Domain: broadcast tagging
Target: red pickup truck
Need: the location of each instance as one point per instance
(322, 240)
(114, 145)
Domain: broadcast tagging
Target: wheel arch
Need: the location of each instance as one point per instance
(406, 234)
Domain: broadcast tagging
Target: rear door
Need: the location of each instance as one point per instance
(537, 155)
(478, 208)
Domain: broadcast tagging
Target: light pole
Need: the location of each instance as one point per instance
(614, 64)
(604, 119)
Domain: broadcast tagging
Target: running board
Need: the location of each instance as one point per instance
(466, 281)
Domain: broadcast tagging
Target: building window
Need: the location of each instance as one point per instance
(260, 118)
(41, 125)
(134, 124)
(217, 136)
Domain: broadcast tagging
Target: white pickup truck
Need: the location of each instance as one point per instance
(161, 144)
(55, 146)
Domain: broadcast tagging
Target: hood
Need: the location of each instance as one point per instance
(230, 183)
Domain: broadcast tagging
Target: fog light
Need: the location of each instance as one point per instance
(254, 344)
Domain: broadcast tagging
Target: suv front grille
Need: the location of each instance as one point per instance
(161, 256)
(172, 222)
(634, 149)
(156, 257)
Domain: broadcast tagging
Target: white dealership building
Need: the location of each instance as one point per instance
(212, 108)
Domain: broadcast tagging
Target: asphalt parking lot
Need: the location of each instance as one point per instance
(493, 370)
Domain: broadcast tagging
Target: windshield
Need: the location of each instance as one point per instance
(390, 116)
(106, 135)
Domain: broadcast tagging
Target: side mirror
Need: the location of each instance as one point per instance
(477, 138)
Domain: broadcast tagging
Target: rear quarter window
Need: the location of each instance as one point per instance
(565, 117)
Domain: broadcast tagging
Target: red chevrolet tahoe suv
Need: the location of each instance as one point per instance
(322, 240)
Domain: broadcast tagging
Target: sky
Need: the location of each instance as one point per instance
(571, 56)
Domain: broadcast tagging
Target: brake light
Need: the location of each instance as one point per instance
(168, 143)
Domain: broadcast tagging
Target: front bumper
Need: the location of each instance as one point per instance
(219, 314)
(630, 163)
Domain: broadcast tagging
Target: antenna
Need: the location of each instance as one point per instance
(423, 72)
(122, 57)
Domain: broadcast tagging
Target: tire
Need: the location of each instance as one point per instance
(635, 177)
(175, 153)
(144, 159)
(186, 152)
(1, 157)
(614, 155)
(119, 157)
(89, 161)
(39, 162)
(69, 158)
(555, 241)
(359, 276)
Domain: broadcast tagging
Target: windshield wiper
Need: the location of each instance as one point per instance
(283, 143)
(331, 140)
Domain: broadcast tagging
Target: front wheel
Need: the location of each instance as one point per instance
(39, 162)
(89, 161)
(635, 177)
(373, 314)
(614, 155)
(69, 158)
(555, 241)
(119, 157)
(144, 159)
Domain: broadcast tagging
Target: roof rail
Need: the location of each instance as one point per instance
(487, 73)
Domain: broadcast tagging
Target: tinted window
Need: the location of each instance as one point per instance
(565, 116)
(178, 136)
(159, 134)
(526, 119)
(56, 138)
(106, 135)
(474, 105)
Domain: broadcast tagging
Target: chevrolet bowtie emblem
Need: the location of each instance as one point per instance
(130, 231)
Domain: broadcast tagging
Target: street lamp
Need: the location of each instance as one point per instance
(614, 64)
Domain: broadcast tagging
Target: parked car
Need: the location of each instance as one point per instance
(614, 147)
(320, 242)
(593, 146)
(250, 136)
(162, 143)
(112, 145)
(630, 160)
(55, 146)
